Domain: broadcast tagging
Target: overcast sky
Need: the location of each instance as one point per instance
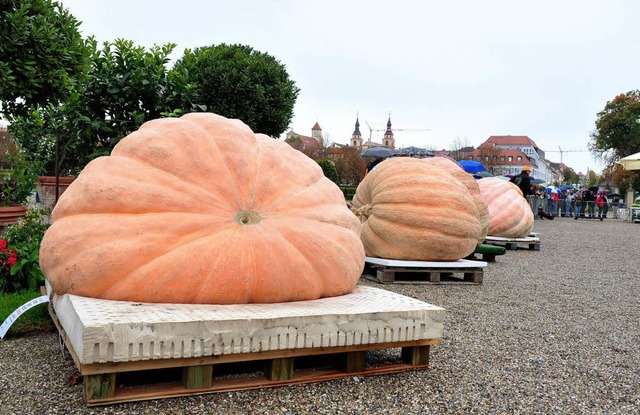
(462, 69)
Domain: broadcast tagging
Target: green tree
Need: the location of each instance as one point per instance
(329, 170)
(569, 176)
(124, 86)
(617, 132)
(41, 53)
(237, 81)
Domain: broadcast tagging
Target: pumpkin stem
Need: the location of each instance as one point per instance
(247, 217)
(363, 212)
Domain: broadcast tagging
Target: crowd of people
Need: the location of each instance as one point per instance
(549, 203)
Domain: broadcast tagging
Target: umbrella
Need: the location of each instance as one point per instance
(631, 162)
(552, 189)
(537, 181)
(378, 152)
(567, 187)
(471, 166)
(509, 175)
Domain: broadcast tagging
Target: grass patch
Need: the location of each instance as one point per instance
(36, 318)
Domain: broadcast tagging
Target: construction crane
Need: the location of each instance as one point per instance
(561, 151)
(371, 130)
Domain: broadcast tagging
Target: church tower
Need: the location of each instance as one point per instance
(356, 137)
(316, 132)
(388, 140)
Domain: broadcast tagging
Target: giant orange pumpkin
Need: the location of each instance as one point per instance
(510, 215)
(413, 210)
(458, 172)
(202, 210)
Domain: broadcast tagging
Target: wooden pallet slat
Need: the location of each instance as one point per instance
(422, 272)
(512, 244)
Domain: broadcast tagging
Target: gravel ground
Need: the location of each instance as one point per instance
(554, 331)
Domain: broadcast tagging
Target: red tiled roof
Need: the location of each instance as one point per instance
(316, 127)
(307, 142)
(511, 140)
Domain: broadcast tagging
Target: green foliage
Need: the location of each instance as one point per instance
(329, 170)
(635, 182)
(348, 191)
(618, 127)
(569, 176)
(25, 237)
(124, 86)
(41, 51)
(37, 318)
(237, 81)
(17, 184)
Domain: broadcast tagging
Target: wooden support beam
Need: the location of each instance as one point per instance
(99, 386)
(197, 377)
(355, 362)
(416, 355)
(279, 369)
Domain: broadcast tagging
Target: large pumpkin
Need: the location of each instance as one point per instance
(468, 180)
(510, 215)
(412, 210)
(202, 210)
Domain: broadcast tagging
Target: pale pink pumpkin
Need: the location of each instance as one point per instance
(202, 210)
(510, 215)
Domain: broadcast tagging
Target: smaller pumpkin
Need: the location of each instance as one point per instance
(413, 210)
(510, 215)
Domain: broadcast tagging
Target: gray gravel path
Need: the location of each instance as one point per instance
(555, 331)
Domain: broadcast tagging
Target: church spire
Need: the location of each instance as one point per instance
(356, 137)
(388, 140)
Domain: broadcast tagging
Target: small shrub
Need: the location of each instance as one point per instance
(24, 238)
(329, 170)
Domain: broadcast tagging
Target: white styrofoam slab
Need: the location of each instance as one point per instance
(501, 239)
(119, 331)
(461, 263)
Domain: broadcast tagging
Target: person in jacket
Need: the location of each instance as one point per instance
(602, 205)
(523, 181)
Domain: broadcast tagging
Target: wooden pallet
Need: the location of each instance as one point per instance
(387, 271)
(389, 347)
(110, 383)
(530, 243)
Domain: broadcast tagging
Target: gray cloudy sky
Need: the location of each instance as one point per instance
(463, 69)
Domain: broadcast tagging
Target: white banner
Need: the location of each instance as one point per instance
(4, 328)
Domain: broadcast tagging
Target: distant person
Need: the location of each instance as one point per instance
(371, 166)
(602, 204)
(523, 181)
(589, 204)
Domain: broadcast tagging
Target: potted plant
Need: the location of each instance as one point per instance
(17, 183)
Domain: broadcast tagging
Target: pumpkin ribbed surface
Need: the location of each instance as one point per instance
(413, 210)
(458, 172)
(202, 210)
(510, 215)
